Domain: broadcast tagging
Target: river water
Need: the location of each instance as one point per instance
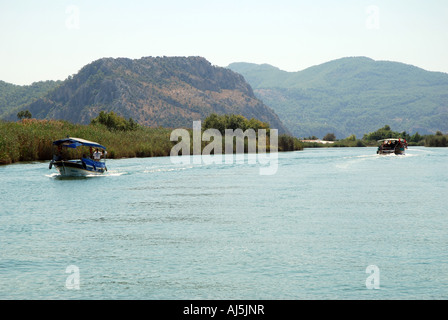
(153, 229)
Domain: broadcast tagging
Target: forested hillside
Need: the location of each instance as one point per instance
(352, 96)
(13, 97)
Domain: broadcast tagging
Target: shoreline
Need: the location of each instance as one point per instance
(32, 140)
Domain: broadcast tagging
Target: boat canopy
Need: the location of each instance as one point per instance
(77, 142)
(392, 139)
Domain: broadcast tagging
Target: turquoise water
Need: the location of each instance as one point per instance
(151, 229)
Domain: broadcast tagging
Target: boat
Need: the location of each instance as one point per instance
(392, 146)
(92, 161)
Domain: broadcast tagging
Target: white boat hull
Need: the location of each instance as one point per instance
(76, 172)
(79, 168)
(397, 152)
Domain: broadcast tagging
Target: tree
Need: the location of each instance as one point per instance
(237, 122)
(234, 121)
(115, 122)
(330, 137)
(436, 140)
(405, 135)
(416, 137)
(383, 133)
(24, 114)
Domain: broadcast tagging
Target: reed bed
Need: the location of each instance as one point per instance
(32, 140)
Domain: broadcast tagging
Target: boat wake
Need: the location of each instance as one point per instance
(382, 156)
(53, 175)
(367, 156)
(114, 174)
(154, 170)
(348, 161)
(107, 174)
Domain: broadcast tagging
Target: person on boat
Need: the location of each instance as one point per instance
(58, 155)
(97, 155)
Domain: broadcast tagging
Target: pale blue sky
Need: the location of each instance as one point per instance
(51, 39)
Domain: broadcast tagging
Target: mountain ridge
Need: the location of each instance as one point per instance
(352, 95)
(154, 91)
(13, 97)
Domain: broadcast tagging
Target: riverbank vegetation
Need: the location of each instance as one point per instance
(437, 140)
(223, 122)
(370, 139)
(32, 139)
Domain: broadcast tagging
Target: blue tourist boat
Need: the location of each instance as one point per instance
(92, 161)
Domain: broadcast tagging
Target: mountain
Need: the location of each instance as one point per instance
(154, 91)
(13, 97)
(353, 95)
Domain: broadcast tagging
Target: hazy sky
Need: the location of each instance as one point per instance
(51, 39)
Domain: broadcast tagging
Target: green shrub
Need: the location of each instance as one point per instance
(112, 121)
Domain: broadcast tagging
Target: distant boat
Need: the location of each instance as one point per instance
(392, 146)
(92, 161)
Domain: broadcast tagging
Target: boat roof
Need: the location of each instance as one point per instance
(392, 139)
(77, 142)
